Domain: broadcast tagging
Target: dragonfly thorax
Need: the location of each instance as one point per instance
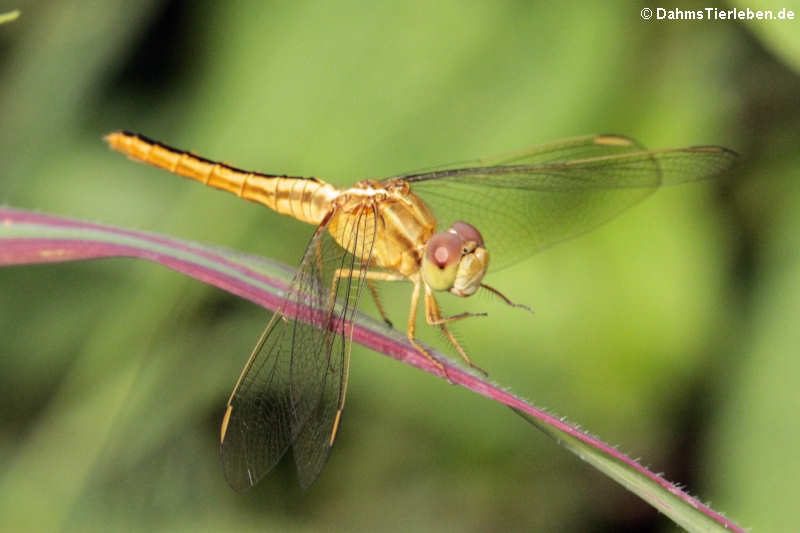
(395, 220)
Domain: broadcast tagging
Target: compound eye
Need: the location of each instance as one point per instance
(441, 259)
(467, 232)
(444, 249)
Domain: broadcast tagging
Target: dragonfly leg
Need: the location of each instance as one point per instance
(505, 298)
(447, 319)
(370, 276)
(434, 317)
(412, 319)
(375, 297)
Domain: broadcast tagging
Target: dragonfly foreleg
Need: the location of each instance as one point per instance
(447, 319)
(505, 298)
(412, 324)
(434, 317)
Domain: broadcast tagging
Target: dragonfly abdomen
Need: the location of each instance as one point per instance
(306, 199)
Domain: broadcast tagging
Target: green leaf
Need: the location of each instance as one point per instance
(27, 238)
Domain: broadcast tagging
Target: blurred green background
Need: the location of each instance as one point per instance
(671, 331)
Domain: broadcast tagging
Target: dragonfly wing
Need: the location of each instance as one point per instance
(294, 382)
(560, 150)
(582, 147)
(523, 208)
(314, 441)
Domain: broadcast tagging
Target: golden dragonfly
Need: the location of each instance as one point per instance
(412, 227)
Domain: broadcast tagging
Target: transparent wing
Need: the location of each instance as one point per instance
(523, 208)
(294, 383)
(582, 147)
(560, 150)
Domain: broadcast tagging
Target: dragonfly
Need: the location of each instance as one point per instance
(434, 229)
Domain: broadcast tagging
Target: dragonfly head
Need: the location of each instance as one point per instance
(455, 260)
